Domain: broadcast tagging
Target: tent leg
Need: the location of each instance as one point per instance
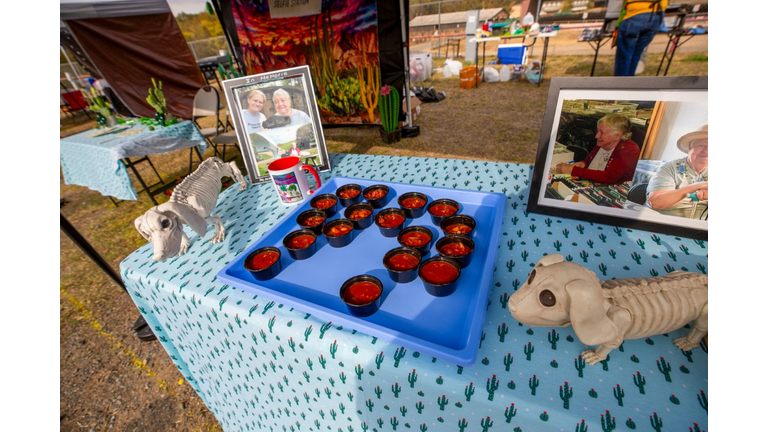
(409, 130)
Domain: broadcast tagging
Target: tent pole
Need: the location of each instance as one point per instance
(217, 10)
(71, 66)
(406, 62)
(409, 130)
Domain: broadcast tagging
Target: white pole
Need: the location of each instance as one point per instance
(538, 8)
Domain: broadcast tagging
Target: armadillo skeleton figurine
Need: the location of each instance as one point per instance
(560, 293)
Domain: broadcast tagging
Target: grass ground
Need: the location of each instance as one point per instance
(109, 380)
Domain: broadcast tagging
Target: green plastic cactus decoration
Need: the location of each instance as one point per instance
(100, 106)
(156, 100)
(389, 107)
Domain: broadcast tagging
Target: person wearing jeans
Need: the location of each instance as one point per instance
(637, 29)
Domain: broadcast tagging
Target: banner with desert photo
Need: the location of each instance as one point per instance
(340, 46)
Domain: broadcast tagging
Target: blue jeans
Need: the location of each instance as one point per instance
(635, 34)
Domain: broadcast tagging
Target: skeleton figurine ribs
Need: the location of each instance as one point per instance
(192, 202)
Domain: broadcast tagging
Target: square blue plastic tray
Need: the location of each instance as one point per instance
(445, 327)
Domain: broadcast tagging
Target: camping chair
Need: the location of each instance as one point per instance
(206, 104)
(73, 101)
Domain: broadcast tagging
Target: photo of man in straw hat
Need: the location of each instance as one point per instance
(680, 187)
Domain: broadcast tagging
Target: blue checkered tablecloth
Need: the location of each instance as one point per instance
(260, 365)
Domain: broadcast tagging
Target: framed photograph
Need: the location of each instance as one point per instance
(275, 115)
(626, 151)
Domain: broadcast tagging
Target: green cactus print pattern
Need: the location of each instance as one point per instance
(262, 366)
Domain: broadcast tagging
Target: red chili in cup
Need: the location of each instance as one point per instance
(442, 210)
(360, 214)
(301, 241)
(403, 261)
(375, 194)
(313, 221)
(455, 249)
(360, 293)
(439, 273)
(349, 193)
(263, 260)
(390, 220)
(414, 239)
(413, 202)
(338, 230)
(323, 204)
(458, 229)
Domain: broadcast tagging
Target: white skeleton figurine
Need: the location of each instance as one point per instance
(192, 202)
(560, 293)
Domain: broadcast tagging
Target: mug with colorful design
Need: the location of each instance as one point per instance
(289, 179)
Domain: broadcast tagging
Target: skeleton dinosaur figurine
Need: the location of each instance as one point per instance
(560, 293)
(192, 202)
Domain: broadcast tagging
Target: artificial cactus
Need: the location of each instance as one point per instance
(156, 100)
(100, 106)
(389, 108)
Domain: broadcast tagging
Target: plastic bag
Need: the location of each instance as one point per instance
(490, 74)
(452, 68)
(455, 66)
(504, 74)
(533, 72)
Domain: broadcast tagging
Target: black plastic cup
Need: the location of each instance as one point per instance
(463, 260)
(265, 273)
(338, 240)
(413, 212)
(402, 237)
(346, 202)
(402, 275)
(436, 219)
(362, 223)
(458, 219)
(365, 309)
(390, 231)
(329, 211)
(300, 253)
(440, 288)
(376, 202)
(301, 220)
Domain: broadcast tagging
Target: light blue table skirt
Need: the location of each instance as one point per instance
(259, 365)
(95, 162)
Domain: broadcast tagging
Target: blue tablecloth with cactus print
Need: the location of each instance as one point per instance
(95, 161)
(260, 365)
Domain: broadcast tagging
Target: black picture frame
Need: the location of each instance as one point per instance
(268, 135)
(680, 106)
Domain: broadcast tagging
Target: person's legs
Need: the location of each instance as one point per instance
(625, 46)
(645, 37)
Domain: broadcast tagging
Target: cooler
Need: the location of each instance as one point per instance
(513, 54)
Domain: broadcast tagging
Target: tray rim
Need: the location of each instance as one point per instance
(466, 356)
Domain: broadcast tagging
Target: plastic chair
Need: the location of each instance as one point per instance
(206, 104)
